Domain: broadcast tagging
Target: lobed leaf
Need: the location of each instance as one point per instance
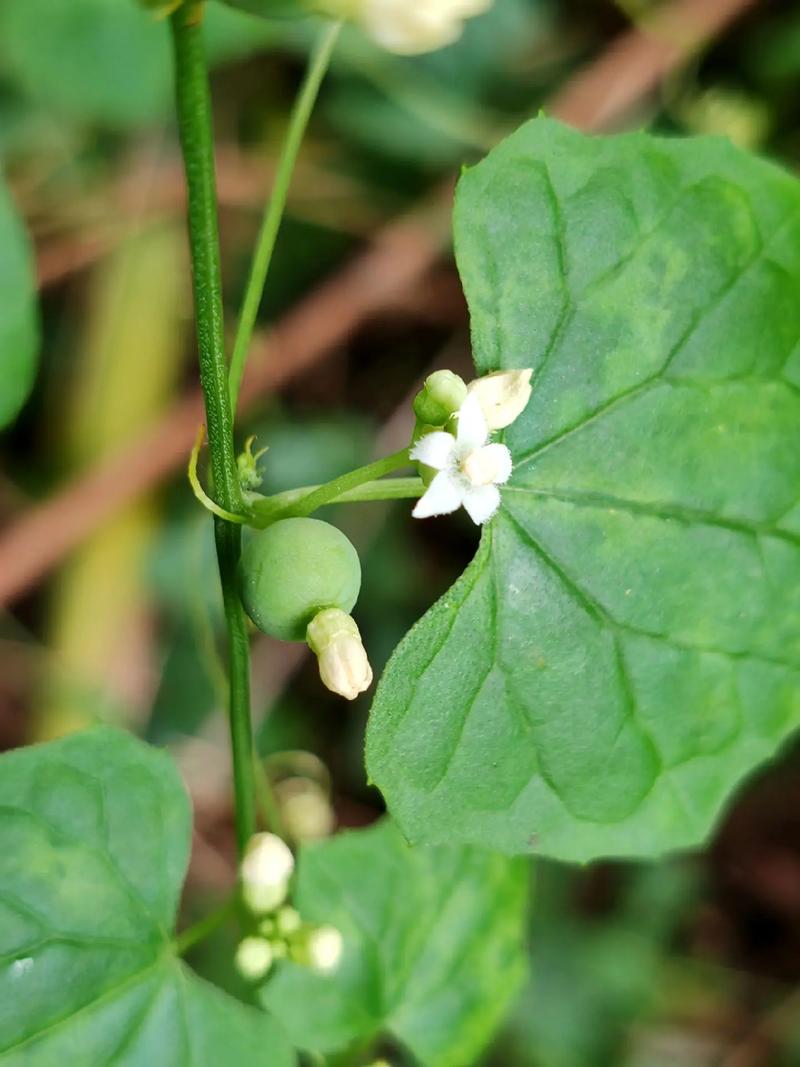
(94, 839)
(625, 647)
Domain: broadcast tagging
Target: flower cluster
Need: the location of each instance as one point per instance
(265, 874)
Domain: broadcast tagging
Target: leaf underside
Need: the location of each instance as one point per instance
(94, 835)
(433, 946)
(625, 647)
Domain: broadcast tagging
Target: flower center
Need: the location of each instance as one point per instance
(480, 468)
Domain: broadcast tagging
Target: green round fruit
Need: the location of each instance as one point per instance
(293, 570)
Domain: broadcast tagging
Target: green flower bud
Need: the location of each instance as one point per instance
(293, 570)
(442, 395)
(247, 466)
(288, 921)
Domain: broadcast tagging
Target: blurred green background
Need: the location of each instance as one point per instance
(693, 961)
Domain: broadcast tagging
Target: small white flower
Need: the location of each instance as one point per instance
(266, 869)
(325, 945)
(254, 958)
(469, 468)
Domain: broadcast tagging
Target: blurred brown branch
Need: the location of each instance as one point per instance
(602, 95)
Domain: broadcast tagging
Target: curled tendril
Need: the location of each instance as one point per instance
(199, 491)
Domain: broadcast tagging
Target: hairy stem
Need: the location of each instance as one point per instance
(194, 121)
(271, 222)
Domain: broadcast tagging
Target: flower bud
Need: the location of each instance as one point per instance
(287, 922)
(265, 873)
(440, 397)
(343, 665)
(324, 949)
(503, 396)
(247, 466)
(408, 26)
(253, 958)
(306, 812)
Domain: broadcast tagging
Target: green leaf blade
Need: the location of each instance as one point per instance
(643, 611)
(433, 946)
(94, 839)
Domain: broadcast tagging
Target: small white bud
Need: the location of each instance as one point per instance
(336, 641)
(265, 872)
(503, 396)
(253, 958)
(408, 26)
(325, 945)
(306, 812)
(261, 899)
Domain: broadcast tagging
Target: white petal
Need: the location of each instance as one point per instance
(434, 449)
(500, 460)
(472, 429)
(444, 496)
(481, 503)
(503, 396)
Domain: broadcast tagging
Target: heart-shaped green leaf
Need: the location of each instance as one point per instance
(433, 946)
(625, 647)
(19, 322)
(94, 840)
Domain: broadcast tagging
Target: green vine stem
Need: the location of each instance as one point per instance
(267, 509)
(306, 502)
(196, 133)
(206, 926)
(270, 225)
